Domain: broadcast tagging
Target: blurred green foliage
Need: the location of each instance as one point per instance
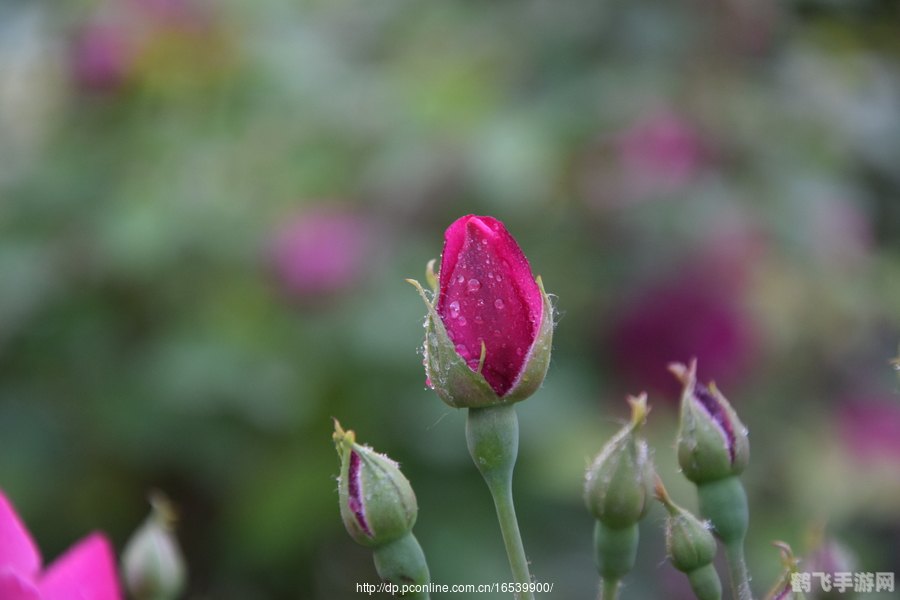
(151, 150)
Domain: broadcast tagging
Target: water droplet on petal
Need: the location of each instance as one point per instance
(484, 241)
(460, 279)
(490, 275)
(478, 319)
(480, 302)
(499, 278)
(454, 309)
(473, 286)
(461, 320)
(499, 304)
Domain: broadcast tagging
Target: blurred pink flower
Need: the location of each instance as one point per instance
(690, 316)
(659, 152)
(87, 571)
(321, 253)
(102, 57)
(870, 428)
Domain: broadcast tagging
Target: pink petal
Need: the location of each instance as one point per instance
(18, 552)
(488, 295)
(87, 571)
(15, 587)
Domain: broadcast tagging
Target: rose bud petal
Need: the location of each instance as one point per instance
(490, 328)
(712, 441)
(378, 505)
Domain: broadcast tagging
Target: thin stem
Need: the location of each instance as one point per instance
(492, 435)
(737, 568)
(609, 589)
(512, 539)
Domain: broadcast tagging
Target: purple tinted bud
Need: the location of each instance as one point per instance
(712, 441)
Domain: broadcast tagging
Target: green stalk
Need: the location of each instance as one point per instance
(737, 568)
(403, 562)
(609, 589)
(492, 435)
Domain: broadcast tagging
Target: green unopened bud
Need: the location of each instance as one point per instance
(691, 548)
(152, 564)
(618, 481)
(377, 503)
(379, 509)
(712, 441)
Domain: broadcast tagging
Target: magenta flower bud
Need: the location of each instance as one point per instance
(490, 328)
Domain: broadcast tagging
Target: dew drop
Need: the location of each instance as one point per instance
(478, 319)
(454, 309)
(498, 303)
(484, 241)
(498, 278)
(461, 321)
(480, 302)
(473, 286)
(490, 275)
(460, 279)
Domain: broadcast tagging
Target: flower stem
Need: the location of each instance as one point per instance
(403, 562)
(492, 435)
(737, 568)
(609, 589)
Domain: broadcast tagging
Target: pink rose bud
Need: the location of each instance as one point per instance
(489, 330)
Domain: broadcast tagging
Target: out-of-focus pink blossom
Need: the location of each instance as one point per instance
(102, 57)
(87, 571)
(659, 152)
(690, 315)
(321, 253)
(870, 428)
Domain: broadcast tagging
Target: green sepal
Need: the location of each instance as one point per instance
(448, 373)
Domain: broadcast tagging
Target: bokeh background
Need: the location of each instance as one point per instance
(208, 209)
